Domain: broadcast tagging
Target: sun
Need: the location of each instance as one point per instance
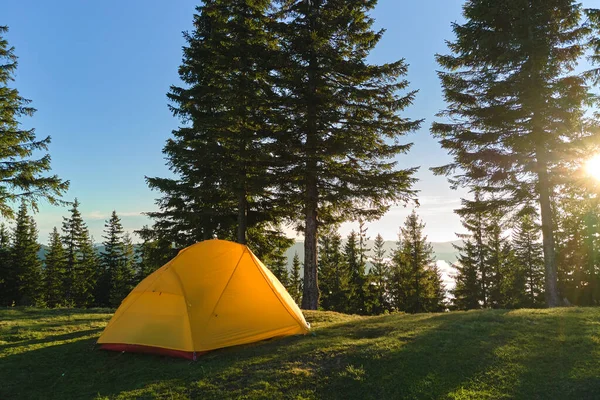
(592, 167)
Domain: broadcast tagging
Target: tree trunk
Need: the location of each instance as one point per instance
(310, 296)
(551, 284)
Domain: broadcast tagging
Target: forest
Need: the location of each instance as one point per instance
(284, 122)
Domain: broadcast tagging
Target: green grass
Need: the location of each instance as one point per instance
(525, 354)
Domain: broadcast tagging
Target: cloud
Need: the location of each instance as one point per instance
(130, 214)
(95, 215)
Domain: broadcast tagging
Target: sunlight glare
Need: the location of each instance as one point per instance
(592, 167)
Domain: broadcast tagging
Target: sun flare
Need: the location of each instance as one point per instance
(592, 167)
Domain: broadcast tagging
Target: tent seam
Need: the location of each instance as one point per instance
(187, 311)
(226, 285)
(137, 298)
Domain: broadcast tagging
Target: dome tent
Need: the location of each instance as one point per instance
(213, 294)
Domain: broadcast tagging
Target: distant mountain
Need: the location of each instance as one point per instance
(444, 251)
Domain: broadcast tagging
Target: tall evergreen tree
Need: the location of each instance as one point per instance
(498, 261)
(377, 277)
(222, 155)
(416, 283)
(7, 278)
(529, 257)
(475, 254)
(295, 284)
(116, 264)
(24, 259)
(80, 260)
(357, 299)
(335, 277)
(54, 271)
(23, 176)
(515, 105)
(467, 294)
(124, 274)
(342, 120)
(111, 259)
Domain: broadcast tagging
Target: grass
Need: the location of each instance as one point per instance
(524, 354)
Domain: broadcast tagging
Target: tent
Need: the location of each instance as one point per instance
(213, 294)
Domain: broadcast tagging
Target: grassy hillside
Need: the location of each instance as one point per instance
(525, 354)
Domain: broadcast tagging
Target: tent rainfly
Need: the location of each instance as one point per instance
(213, 294)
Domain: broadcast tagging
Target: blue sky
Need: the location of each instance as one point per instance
(98, 73)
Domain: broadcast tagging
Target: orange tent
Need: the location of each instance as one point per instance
(214, 294)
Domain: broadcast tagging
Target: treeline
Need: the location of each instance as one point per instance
(73, 272)
(406, 280)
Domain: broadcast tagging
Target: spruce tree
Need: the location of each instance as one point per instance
(436, 300)
(398, 278)
(467, 294)
(353, 259)
(415, 266)
(498, 261)
(529, 257)
(124, 274)
(295, 284)
(54, 271)
(81, 260)
(23, 175)
(111, 260)
(7, 277)
(377, 277)
(25, 262)
(473, 215)
(342, 122)
(222, 156)
(515, 106)
(335, 277)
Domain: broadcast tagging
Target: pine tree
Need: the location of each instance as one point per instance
(436, 300)
(473, 218)
(24, 259)
(497, 261)
(377, 278)
(333, 272)
(222, 155)
(7, 277)
(81, 260)
(515, 105)
(342, 120)
(414, 267)
(295, 284)
(124, 274)
(54, 271)
(528, 253)
(468, 290)
(23, 175)
(357, 303)
(111, 260)
(399, 278)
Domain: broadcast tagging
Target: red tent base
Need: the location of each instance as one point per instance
(137, 348)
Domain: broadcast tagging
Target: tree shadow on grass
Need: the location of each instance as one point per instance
(50, 338)
(474, 355)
